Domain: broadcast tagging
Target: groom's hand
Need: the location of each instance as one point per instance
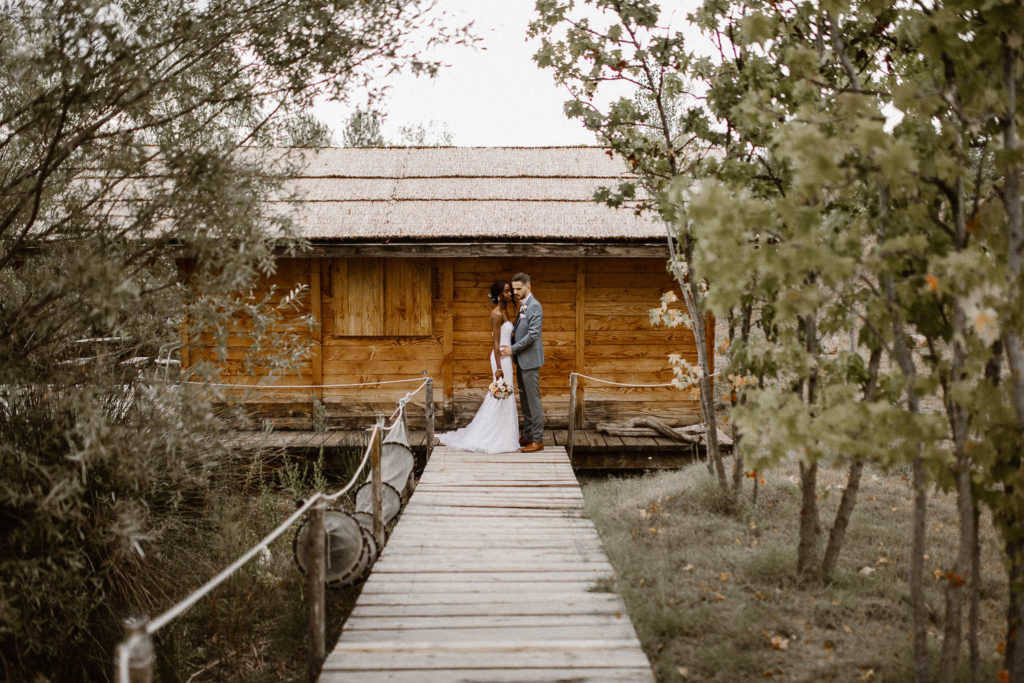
(506, 351)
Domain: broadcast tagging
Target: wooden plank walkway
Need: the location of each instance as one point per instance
(493, 573)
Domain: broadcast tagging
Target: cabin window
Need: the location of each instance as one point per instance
(381, 297)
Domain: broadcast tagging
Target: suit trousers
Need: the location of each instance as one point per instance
(529, 400)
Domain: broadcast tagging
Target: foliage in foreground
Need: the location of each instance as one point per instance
(714, 595)
(122, 125)
(845, 170)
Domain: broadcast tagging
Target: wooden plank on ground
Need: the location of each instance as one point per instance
(580, 675)
(493, 573)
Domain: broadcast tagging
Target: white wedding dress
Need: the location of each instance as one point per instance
(495, 427)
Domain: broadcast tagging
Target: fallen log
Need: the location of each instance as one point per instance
(652, 426)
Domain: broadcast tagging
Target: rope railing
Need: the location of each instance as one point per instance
(395, 417)
(576, 400)
(618, 384)
(134, 655)
(402, 402)
(298, 386)
(624, 384)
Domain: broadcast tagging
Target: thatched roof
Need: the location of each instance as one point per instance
(462, 193)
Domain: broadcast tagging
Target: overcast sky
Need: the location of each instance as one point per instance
(493, 95)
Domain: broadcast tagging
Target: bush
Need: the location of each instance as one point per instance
(84, 497)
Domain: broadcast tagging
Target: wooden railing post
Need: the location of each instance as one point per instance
(135, 655)
(581, 402)
(573, 381)
(429, 403)
(315, 578)
(378, 485)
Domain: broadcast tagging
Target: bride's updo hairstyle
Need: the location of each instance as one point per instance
(496, 289)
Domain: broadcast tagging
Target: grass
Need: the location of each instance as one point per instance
(714, 595)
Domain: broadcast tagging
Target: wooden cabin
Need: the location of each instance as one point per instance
(405, 245)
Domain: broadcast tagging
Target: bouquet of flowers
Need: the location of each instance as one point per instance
(500, 389)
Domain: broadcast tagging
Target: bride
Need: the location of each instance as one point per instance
(495, 427)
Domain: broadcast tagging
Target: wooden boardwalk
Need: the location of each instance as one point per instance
(593, 449)
(493, 573)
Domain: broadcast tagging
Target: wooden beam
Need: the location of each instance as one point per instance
(429, 404)
(447, 280)
(318, 335)
(581, 287)
(315, 576)
(571, 429)
(470, 249)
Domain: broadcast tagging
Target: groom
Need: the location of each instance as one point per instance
(528, 350)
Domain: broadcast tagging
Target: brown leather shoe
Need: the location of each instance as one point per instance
(532, 447)
(523, 441)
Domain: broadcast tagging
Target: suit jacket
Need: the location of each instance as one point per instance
(527, 338)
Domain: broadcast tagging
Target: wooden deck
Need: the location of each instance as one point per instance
(591, 449)
(493, 573)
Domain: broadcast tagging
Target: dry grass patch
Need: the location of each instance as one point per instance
(713, 592)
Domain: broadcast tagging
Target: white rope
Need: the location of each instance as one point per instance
(405, 399)
(176, 611)
(180, 608)
(301, 386)
(355, 475)
(622, 384)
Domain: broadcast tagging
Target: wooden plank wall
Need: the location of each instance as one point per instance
(595, 322)
(287, 407)
(358, 360)
(616, 341)
(622, 346)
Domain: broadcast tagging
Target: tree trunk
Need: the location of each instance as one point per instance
(918, 610)
(737, 463)
(707, 394)
(1015, 358)
(961, 573)
(810, 528)
(810, 520)
(974, 657)
(746, 315)
(953, 631)
(905, 360)
(694, 306)
(838, 531)
(1014, 662)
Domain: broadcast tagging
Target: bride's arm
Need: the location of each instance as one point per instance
(496, 341)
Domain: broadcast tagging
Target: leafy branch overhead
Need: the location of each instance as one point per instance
(139, 205)
(654, 127)
(846, 180)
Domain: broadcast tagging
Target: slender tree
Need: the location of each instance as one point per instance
(651, 129)
(899, 157)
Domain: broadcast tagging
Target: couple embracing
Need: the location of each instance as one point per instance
(516, 323)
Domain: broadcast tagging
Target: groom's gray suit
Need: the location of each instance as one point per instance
(528, 352)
